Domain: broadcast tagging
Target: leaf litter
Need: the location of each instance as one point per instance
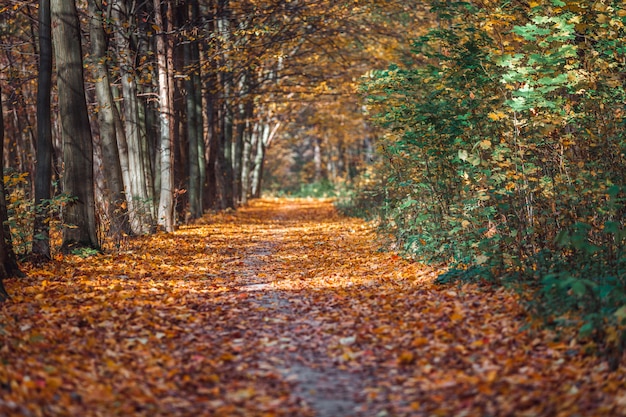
(283, 308)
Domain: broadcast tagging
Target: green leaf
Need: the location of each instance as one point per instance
(586, 330)
(611, 227)
(620, 313)
(579, 288)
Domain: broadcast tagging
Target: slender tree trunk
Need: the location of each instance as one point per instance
(122, 148)
(225, 157)
(8, 262)
(194, 123)
(43, 173)
(238, 142)
(166, 200)
(317, 158)
(210, 189)
(147, 126)
(134, 172)
(114, 187)
(262, 144)
(250, 130)
(212, 109)
(259, 151)
(225, 174)
(197, 90)
(246, 155)
(79, 216)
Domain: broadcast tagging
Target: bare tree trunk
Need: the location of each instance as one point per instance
(225, 174)
(238, 143)
(246, 154)
(134, 172)
(317, 158)
(114, 187)
(43, 173)
(197, 77)
(194, 122)
(210, 195)
(263, 143)
(166, 199)
(79, 216)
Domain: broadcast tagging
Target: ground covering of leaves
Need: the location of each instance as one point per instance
(283, 308)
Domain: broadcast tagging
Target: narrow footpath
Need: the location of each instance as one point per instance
(283, 308)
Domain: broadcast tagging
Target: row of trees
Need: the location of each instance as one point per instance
(131, 116)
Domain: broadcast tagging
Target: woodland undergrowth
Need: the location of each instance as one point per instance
(503, 156)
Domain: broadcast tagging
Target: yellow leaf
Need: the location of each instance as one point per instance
(485, 144)
(477, 343)
(419, 341)
(481, 259)
(492, 375)
(496, 115)
(621, 313)
(406, 358)
(456, 316)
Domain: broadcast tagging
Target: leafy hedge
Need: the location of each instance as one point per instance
(504, 153)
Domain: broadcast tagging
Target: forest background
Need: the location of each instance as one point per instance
(486, 136)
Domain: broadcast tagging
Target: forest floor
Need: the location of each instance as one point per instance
(283, 308)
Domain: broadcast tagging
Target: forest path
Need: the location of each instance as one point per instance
(283, 308)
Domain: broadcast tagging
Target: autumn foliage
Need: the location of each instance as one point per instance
(283, 308)
(503, 155)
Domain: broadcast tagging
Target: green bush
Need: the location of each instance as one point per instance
(319, 189)
(21, 211)
(505, 154)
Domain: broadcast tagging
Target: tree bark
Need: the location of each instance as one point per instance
(196, 171)
(79, 216)
(166, 197)
(224, 164)
(246, 155)
(43, 166)
(8, 260)
(114, 188)
(263, 142)
(317, 158)
(136, 187)
(250, 131)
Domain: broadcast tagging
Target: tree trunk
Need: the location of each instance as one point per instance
(43, 171)
(210, 190)
(263, 142)
(136, 188)
(317, 158)
(238, 143)
(8, 261)
(196, 163)
(246, 154)
(197, 77)
(251, 130)
(224, 163)
(78, 216)
(114, 187)
(166, 199)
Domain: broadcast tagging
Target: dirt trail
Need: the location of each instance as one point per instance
(283, 308)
